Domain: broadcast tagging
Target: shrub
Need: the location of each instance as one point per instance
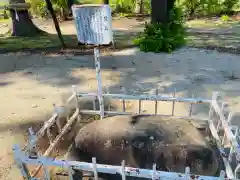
(163, 38)
(225, 18)
(38, 8)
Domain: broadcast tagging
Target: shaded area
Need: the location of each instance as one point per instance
(9, 43)
(202, 33)
(140, 73)
(4, 84)
(49, 43)
(218, 40)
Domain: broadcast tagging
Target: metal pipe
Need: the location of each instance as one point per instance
(148, 97)
(92, 112)
(109, 169)
(99, 82)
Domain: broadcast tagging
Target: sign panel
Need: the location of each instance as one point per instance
(93, 24)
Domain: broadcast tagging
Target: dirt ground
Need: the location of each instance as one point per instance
(31, 84)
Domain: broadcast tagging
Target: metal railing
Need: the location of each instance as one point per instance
(219, 120)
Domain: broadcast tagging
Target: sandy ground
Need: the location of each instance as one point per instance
(31, 84)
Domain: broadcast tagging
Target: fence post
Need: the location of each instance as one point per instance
(32, 143)
(70, 173)
(154, 172)
(94, 163)
(222, 175)
(99, 81)
(74, 91)
(123, 170)
(187, 173)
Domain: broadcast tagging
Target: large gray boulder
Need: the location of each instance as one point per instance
(142, 140)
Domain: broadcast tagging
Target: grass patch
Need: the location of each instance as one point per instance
(47, 41)
(38, 42)
(123, 39)
(217, 33)
(210, 23)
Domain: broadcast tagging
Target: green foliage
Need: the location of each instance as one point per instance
(163, 38)
(228, 5)
(191, 8)
(38, 7)
(225, 18)
(207, 7)
(124, 6)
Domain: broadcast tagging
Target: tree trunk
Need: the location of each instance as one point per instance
(161, 10)
(70, 3)
(50, 9)
(105, 1)
(22, 24)
(139, 7)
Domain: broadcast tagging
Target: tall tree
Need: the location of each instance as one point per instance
(55, 21)
(22, 24)
(139, 6)
(161, 10)
(105, 1)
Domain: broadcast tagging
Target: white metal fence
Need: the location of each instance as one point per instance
(219, 119)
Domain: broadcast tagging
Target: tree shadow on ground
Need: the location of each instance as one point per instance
(205, 39)
(54, 67)
(139, 72)
(181, 71)
(49, 43)
(2, 84)
(37, 123)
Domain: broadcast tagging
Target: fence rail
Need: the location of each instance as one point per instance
(218, 120)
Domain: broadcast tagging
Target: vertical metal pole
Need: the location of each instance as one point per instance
(123, 170)
(211, 114)
(94, 104)
(222, 175)
(123, 101)
(74, 91)
(190, 108)
(173, 105)
(139, 106)
(156, 102)
(154, 172)
(99, 81)
(187, 173)
(109, 103)
(70, 173)
(94, 163)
